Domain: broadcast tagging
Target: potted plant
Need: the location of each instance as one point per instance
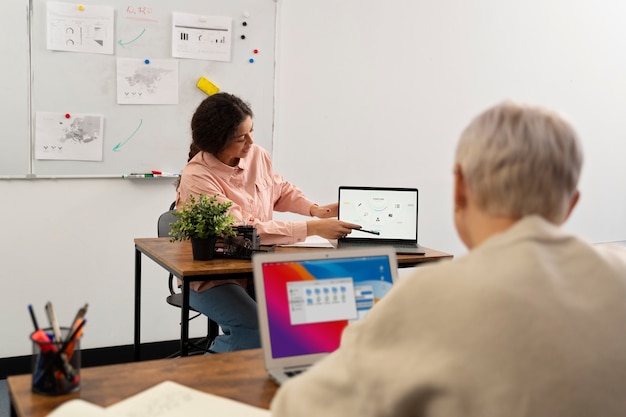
(202, 220)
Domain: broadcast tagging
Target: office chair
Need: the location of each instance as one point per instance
(176, 298)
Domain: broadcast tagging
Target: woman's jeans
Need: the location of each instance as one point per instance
(235, 311)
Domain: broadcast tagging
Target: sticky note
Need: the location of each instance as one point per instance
(207, 86)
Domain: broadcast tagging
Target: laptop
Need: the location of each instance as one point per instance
(305, 299)
(387, 215)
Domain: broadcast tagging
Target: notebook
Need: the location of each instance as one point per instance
(305, 299)
(389, 214)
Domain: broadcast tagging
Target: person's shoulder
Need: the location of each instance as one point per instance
(203, 161)
(202, 167)
(613, 252)
(197, 159)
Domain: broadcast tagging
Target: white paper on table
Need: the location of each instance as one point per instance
(167, 399)
(313, 242)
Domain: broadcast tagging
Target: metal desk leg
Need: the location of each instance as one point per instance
(137, 341)
(184, 320)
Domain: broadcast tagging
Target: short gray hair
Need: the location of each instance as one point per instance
(520, 160)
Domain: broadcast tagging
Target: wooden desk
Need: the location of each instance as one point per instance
(176, 258)
(237, 375)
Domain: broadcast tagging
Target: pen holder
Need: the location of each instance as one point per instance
(55, 365)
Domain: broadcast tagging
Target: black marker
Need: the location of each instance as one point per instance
(32, 316)
(374, 232)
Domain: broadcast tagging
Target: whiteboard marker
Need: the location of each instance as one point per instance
(138, 176)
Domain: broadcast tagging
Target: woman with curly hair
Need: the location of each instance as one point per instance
(225, 161)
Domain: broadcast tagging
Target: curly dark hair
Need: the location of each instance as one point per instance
(215, 123)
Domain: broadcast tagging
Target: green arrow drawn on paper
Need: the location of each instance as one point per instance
(123, 44)
(117, 147)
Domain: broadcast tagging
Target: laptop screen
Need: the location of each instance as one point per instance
(391, 212)
(308, 298)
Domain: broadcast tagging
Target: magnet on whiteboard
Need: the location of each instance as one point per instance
(203, 18)
(81, 7)
(207, 86)
(246, 14)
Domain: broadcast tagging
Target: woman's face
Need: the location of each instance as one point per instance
(238, 146)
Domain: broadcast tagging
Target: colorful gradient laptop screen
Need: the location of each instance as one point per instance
(309, 303)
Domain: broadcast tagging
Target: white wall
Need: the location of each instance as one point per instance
(377, 92)
(368, 92)
(71, 242)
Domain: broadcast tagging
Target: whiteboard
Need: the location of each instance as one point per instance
(136, 137)
(14, 84)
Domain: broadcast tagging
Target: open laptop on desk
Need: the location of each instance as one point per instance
(391, 213)
(306, 298)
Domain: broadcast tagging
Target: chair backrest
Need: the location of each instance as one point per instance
(175, 298)
(165, 219)
(163, 230)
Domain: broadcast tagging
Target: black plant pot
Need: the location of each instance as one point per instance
(203, 249)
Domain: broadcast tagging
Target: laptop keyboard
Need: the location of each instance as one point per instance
(369, 244)
(294, 372)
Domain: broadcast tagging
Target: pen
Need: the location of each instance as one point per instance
(53, 322)
(32, 316)
(44, 342)
(71, 340)
(48, 350)
(138, 176)
(374, 232)
(60, 358)
(164, 174)
(79, 315)
(75, 333)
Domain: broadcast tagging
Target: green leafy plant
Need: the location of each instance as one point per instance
(202, 217)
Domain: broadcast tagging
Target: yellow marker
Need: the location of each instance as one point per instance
(81, 7)
(207, 86)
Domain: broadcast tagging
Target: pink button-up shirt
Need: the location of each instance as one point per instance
(255, 190)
